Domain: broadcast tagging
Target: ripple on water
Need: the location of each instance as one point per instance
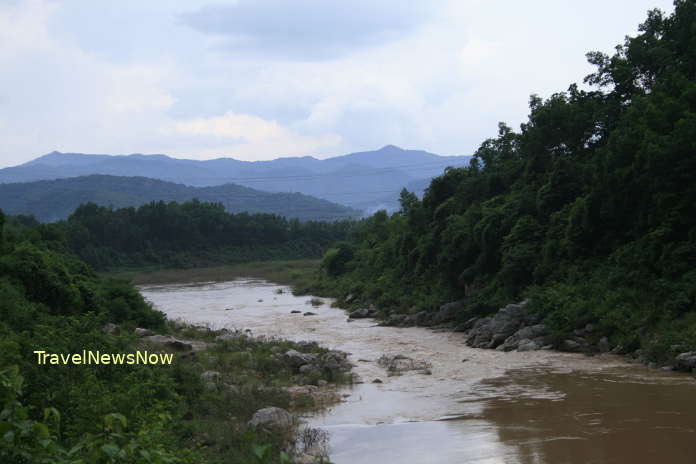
(528, 408)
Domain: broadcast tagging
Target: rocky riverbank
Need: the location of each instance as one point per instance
(517, 328)
(258, 384)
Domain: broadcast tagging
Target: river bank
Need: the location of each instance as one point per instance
(451, 411)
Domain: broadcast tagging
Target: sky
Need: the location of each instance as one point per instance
(262, 79)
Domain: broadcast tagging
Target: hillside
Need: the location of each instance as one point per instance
(51, 200)
(587, 212)
(366, 180)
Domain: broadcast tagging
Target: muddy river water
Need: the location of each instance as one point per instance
(478, 406)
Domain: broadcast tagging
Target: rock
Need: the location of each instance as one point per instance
(321, 383)
(531, 332)
(111, 328)
(210, 379)
(349, 298)
(492, 331)
(295, 312)
(296, 359)
(359, 314)
(603, 345)
(272, 418)
(396, 364)
(173, 343)
(335, 361)
(448, 312)
(210, 376)
(306, 368)
(467, 325)
(308, 345)
(686, 361)
(140, 332)
(309, 313)
(377, 381)
(422, 318)
(528, 345)
(426, 372)
(571, 345)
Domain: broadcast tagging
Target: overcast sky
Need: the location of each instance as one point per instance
(261, 79)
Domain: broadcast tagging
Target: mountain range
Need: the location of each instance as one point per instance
(51, 200)
(366, 181)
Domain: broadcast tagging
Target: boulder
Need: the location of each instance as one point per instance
(528, 345)
(686, 361)
(272, 418)
(423, 318)
(571, 345)
(295, 311)
(467, 325)
(210, 379)
(171, 343)
(493, 331)
(309, 313)
(296, 359)
(335, 361)
(210, 376)
(448, 312)
(140, 332)
(394, 319)
(396, 364)
(359, 313)
(603, 345)
(531, 332)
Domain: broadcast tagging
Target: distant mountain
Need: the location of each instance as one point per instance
(365, 180)
(51, 200)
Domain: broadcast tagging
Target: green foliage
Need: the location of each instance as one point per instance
(191, 234)
(53, 200)
(94, 414)
(587, 210)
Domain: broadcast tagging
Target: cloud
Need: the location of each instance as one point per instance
(251, 136)
(308, 29)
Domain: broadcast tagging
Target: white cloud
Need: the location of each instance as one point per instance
(255, 137)
(132, 77)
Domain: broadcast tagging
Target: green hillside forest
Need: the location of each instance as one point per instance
(125, 413)
(588, 211)
(190, 234)
(52, 200)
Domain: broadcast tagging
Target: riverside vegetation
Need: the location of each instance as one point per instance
(203, 408)
(185, 235)
(587, 212)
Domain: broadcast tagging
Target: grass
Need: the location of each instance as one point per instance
(251, 374)
(296, 273)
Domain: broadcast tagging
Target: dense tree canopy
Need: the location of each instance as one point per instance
(189, 234)
(588, 209)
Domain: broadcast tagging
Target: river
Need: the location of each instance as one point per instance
(478, 406)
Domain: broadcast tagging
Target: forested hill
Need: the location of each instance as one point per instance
(588, 210)
(56, 199)
(188, 234)
(365, 180)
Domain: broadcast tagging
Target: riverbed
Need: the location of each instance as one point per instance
(476, 406)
